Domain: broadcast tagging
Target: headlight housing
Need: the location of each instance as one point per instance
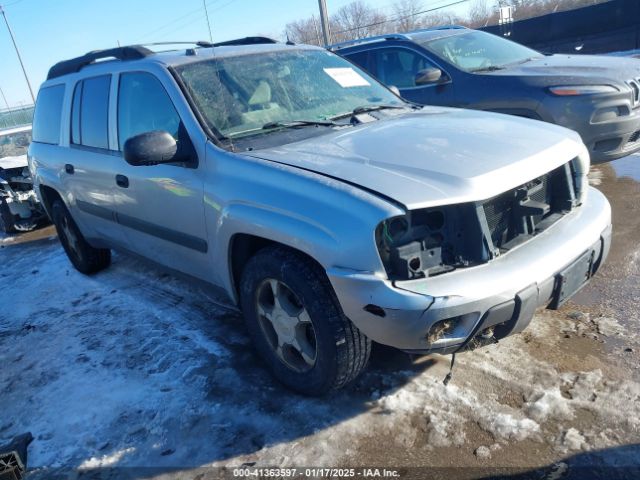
(430, 241)
(576, 90)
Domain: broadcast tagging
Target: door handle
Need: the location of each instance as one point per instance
(122, 181)
(69, 168)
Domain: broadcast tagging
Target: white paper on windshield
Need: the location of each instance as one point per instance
(347, 77)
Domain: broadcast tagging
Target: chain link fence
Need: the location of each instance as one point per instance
(16, 117)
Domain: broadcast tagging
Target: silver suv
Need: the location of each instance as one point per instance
(332, 212)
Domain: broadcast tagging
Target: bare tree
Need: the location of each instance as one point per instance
(407, 15)
(480, 13)
(437, 19)
(305, 31)
(356, 20)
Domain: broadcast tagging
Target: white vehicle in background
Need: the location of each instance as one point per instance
(19, 207)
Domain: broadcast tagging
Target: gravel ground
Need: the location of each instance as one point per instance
(132, 373)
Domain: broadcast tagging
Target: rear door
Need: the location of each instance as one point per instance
(90, 162)
(160, 207)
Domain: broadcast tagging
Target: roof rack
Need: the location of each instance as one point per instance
(136, 52)
(445, 27)
(359, 41)
(74, 65)
(245, 41)
(392, 36)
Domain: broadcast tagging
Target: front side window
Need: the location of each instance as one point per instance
(241, 95)
(476, 51)
(144, 106)
(399, 66)
(48, 115)
(90, 112)
(361, 59)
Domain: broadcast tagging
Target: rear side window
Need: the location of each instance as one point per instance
(47, 116)
(144, 106)
(90, 112)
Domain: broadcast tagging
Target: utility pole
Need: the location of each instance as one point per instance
(206, 14)
(324, 20)
(18, 53)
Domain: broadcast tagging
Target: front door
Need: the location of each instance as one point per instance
(398, 66)
(160, 207)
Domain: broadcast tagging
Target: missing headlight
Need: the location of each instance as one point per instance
(429, 242)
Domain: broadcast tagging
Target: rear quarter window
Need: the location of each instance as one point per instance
(47, 116)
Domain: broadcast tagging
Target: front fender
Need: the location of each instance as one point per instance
(330, 221)
(283, 227)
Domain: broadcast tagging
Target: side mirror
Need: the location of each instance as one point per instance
(428, 76)
(151, 148)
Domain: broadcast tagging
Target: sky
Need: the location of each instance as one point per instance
(48, 31)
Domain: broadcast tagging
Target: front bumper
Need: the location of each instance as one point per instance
(608, 126)
(503, 293)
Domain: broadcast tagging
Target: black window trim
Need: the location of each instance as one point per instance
(64, 92)
(80, 146)
(196, 161)
(212, 133)
(373, 62)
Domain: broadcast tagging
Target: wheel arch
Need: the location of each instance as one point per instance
(242, 247)
(48, 195)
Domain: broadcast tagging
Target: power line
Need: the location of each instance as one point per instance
(173, 22)
(11, 3)
(184, 17)
(193, 21)
(15, 45)
(401, 17)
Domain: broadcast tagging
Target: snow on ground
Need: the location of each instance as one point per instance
(135, 368)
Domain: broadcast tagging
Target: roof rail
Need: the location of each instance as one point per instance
(448, 27)
(392, 36)
(245, 41)
(359, 41)
(74, 65)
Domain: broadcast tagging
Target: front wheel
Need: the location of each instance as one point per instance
(297, 324)
(85, 258)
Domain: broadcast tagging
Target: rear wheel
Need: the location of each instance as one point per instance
(7, 220)
(297, 324)
(84, 257)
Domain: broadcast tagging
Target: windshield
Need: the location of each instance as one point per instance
(475, 51)
(239, 95)
(14, 144)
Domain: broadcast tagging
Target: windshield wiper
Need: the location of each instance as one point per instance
(368, 108)
(297, 123)
(491, 68)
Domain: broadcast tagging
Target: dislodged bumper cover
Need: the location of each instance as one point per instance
(407, 310)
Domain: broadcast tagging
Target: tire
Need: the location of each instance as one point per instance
(340, 350)
(85, 258)
(6, 217)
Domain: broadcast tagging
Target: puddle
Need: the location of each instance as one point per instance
(628, 167)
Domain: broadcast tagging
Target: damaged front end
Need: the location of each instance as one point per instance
(466, 275)
(20, 209)
(429, 242)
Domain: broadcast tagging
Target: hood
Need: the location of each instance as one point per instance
(435, 156)
(596, 67)
(13, 162)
